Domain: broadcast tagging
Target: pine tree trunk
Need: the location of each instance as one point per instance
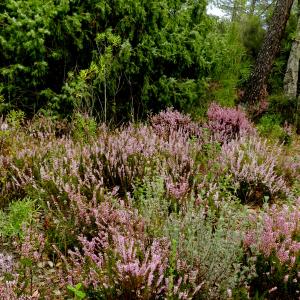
(256, 86)
(292, 70)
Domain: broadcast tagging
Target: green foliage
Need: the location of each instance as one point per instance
(151, 200)
(84, 127)
(270, 126)
(19, 214)
(287, 108)
(15, 118)
(114, 60)
(76, 291)
(109, 58)
(252, 35)
(232, 71)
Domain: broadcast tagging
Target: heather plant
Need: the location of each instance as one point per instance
(4, 134)
(253, 164)
(142, 211)
(118, 261)
(31, 250)
(18, 276)
(9, 280)
(226, 124)
(291, 168)
(172, 120)
(128, 154)
(116, 158)
(275, 243)
(121, 262)
(206, 244)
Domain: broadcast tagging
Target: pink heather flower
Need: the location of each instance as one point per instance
(6, 264)
(280, 225)
(250, 239)
(226, 124)
(253, 162)
(172, 120)
(177, 190)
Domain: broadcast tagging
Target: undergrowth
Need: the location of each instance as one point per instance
(170, 209)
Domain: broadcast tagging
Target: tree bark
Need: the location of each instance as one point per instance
(255, 90)
(292, 70)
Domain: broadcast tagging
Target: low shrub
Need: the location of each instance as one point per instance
(276, 244)
(252, 164)
(172, 120)
(146, 211)
(226, 124)
(270, 127)
(19, 214)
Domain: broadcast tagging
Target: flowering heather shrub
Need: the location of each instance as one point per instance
(176, 234)
(178, 190)
(118, 261)
(177, 162)
(32, 246)
(276, 243)
(112, 158)
(226, 124)
(124, 269)
(6, 264)
(119, 158)
(291, 168)
(122, 262)
(126, 154)
(252, 164)
(20, 165)
(41, 128)
(8, 277)
(16, 276)
(172, 120)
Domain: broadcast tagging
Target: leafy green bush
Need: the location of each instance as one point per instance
(15, 118)
(114, 60)
(270, 126)
(18, 215)
(287, 108)
(84, 127)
